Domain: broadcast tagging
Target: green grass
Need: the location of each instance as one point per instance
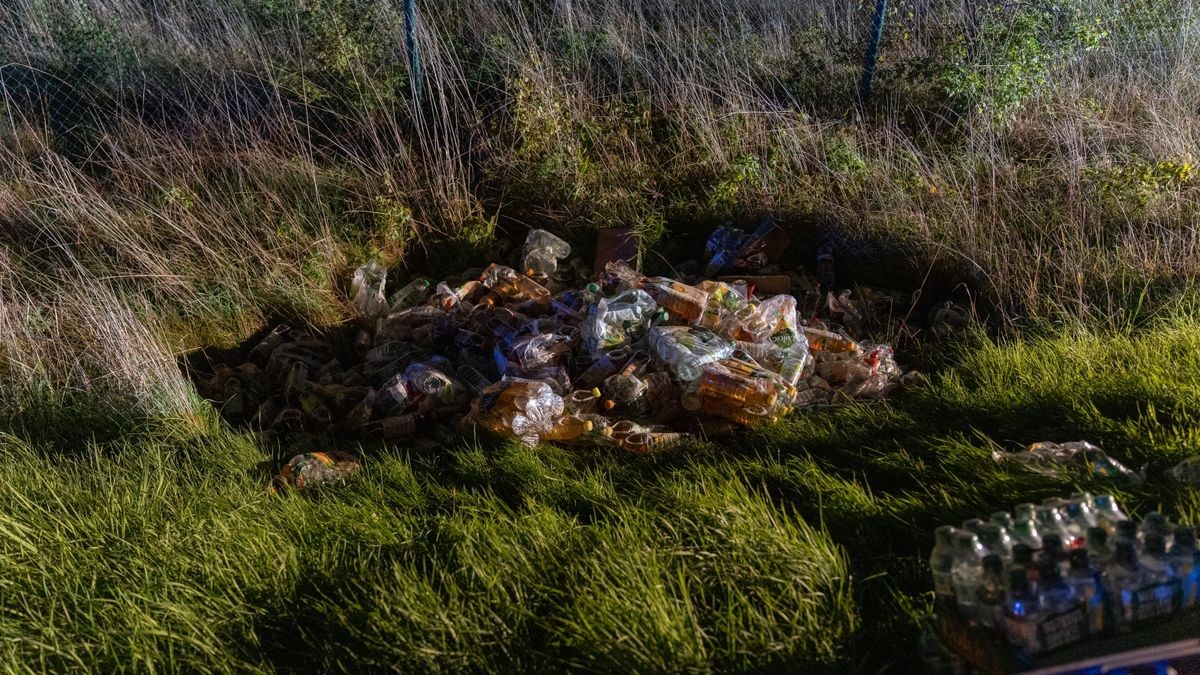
(795, 546)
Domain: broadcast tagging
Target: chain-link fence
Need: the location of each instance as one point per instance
(74, 73)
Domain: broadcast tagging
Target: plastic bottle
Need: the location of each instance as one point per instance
(1157, 523)
(1128, 530)
(391, 428)
(410, 295)
(542, 251)
(524, 409)
(583, 401)
(1107, 513)
(738, 383)
(995, 539)
(1189, 576)
(973, 525)
(941, 562)
(318, 468)
(1022, 612)
(1158, 587)
(989, 595)
(1098, 547)
(366, 289)
(647, 442)
(1022, 559)
(686, 302)
(506, 283)
(1083, 580)
(1181, 557)
(1053, 551)
(1003, 519)
(1050, 521)
(1062, 624)
(568, 428)
(475, 381)
(967, 569)
(1187, 471)
(1079, 518)
(828, 341)
(1123, 578)
(1026, 532)
(686, 351)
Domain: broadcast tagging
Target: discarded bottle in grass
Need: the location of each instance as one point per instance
(648, 442)
(318, 468)
(391, 428)
(1187, 471)
(568, 428)
(542, 251)
(366, 289)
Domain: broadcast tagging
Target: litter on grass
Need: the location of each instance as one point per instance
(1054, 459)
(542, 352)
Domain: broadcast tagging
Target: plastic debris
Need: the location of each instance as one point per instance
(1187, 471)
(318, 468)
(1052, 459)
(729, 248)
(542, 350)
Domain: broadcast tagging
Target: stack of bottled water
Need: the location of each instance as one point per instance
(1051, 575)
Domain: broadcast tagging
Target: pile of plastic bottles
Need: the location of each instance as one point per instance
(1049, 576)
(538, 354)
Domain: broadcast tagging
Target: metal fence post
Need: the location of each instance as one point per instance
(864, 88)
(410, 43)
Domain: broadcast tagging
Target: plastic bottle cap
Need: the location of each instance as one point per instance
(587, 425)
(596, 392)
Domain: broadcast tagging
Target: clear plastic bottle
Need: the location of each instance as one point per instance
(1026, 532)
(827, 341)
(989, 594)
(542, 251)
(1054, 552)
(1050, 521)
(391, 428)
(1022, 612)
(410, 295)
(685, 351)
(1003, 519)
(1078, 516)
(1098, 547)
(1062, 624)
(1158, 587)
(1157, 523)
(1123, 577)
(967, 569)
(1023, 559)
(686, 302)
(973, 525)
(568, 428)
(1082, 577)
(366, 289)
(1107, 512)
(995, 539)
(941, 562)
(1128, 530)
